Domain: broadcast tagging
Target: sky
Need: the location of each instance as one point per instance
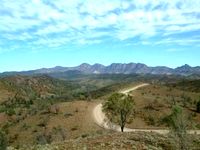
(47, 33)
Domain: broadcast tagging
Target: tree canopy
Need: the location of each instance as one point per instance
(118, 108)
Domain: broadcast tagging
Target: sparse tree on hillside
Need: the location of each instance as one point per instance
(179, 124)
(118, 108)
(172, 101)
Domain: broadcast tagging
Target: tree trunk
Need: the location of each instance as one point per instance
(122, 129)
(122, 126)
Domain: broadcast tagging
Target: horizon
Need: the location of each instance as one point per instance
(38, 34)
(94, 64)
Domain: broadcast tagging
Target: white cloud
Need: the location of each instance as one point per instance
(53, 29)
(174, 29)
(86, 21)
(100, 7)
(182, 42)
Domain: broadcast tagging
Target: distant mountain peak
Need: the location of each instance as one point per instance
(97, 64)
(57, 67)
(186, 65)
(113, 68)
(84, 65)
(186, 70)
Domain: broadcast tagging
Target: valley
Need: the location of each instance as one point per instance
(38, 110)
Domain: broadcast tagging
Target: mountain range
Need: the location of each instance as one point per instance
(114, 68)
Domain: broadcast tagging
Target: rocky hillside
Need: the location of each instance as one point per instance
(32, 87)
(187, 85)
(128, 141)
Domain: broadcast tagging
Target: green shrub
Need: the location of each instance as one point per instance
(3, 141)
(2, 109)
(43, 139)
(10, 111)
(84, 135)
(151, 120)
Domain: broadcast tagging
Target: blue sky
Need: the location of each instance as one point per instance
(48, 33)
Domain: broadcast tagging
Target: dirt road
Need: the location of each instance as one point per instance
(102, 121)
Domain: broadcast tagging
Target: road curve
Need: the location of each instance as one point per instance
(101, 120)
(133, 88)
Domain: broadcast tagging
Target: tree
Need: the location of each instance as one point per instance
(198, 106)
(179, 124)
(3, 141)
(118, 108)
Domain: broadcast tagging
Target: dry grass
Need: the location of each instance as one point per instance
(153, 102)
(74, 118)
(126, 141)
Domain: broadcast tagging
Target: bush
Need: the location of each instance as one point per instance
(3, 141)
(10, 112)
(2, 109)
(58, 133)
(84, 135)
(151, 120)
(180, 123)
(43, 139)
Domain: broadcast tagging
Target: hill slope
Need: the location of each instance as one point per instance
(33, 87)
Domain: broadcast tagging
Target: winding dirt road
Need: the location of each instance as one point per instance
(102, 121)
